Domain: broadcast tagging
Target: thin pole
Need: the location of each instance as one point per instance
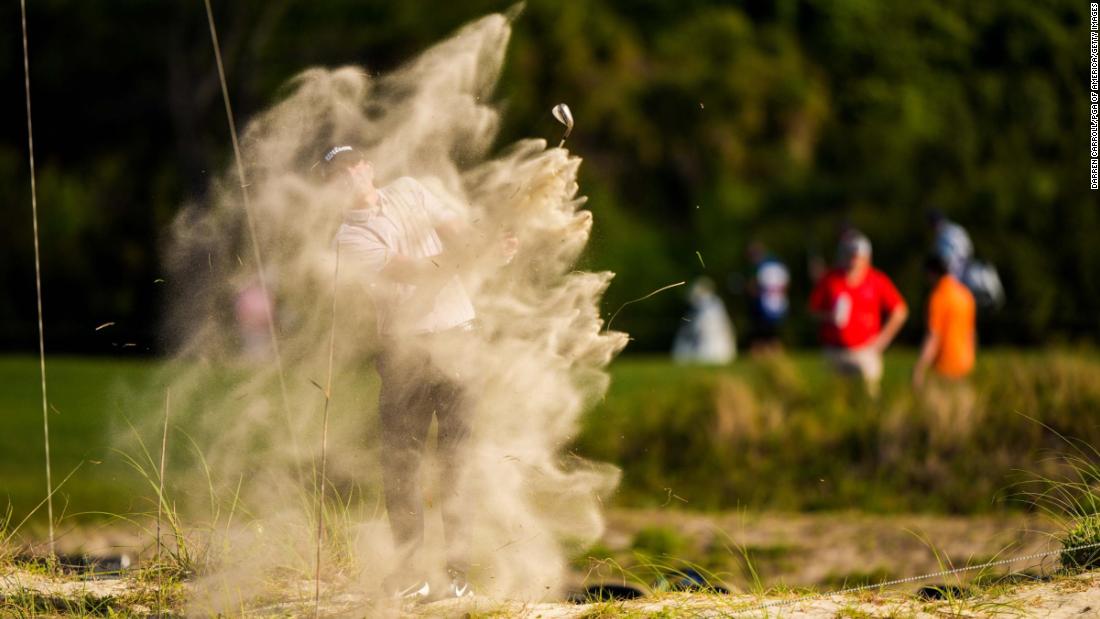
(251, 227)
(37, 272)
(324, 443)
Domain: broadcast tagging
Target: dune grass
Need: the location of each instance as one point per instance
(784, 434)
(775, 433)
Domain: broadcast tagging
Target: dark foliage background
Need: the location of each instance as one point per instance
(703, 125)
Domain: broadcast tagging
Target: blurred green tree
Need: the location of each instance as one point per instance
(704, 124)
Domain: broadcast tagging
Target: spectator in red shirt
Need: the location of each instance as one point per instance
(850, 301)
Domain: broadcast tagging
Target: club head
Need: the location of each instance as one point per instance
(565, 116)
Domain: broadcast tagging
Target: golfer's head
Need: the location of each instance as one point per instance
(347, 163)
(340, 158)
(854, 252)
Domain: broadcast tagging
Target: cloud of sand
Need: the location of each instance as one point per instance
(535, 362)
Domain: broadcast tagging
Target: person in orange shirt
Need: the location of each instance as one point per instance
(950, 342)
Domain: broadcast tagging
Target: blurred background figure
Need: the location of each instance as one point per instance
(767, 298)
(952, 244)
(707, 335)
(252, 310)
(949, 344)
(948, 401)
(816, 265)
(849, 302)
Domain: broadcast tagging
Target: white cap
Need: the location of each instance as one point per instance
(853, 244)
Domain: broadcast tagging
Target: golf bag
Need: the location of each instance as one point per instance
(984, 283)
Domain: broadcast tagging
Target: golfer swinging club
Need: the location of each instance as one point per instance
(412, 248)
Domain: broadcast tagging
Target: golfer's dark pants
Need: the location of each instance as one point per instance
(413, 391)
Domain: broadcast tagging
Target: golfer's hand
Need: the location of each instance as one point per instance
(509, 245)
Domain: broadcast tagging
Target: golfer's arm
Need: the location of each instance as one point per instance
(894, 324)
(460, 240)
(406, 270)
(456, 238)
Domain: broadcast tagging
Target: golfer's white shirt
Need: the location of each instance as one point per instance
(403, 223)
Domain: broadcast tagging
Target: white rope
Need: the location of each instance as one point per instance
(37, 272)
(902, 581)
(252, 229)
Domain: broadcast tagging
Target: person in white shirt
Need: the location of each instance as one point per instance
(707, 337)
(412, 249)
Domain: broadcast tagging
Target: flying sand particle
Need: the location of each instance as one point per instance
(700, 258)
(105, 325)
(531, 192)
(610, 320)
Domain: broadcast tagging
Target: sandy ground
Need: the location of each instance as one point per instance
(1069, 596)
(790, 549)
(799, 550)
(825, 551)
(1077, 596)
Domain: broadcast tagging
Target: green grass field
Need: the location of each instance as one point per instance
(778, 433)
(90, 401)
